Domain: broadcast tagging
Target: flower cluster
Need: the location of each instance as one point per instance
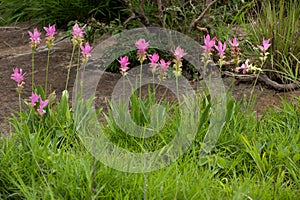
(208, 48)
(77, 39)
(18, 74)
(153, 62)
(19, 78)
(177, 66)
(124, 65)
(247, 67)
(235, 54)
(235, 51)
(77, 35)
(264, 54)
(50, 32)
(142, 47)
(86, 52)
(221, 49)
(35, 38)
(37, 101)
(163, 68)
(156, 64)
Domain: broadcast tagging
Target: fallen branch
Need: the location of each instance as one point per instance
(10, 27)
(262, 77)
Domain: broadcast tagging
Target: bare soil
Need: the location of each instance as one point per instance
(15, 51)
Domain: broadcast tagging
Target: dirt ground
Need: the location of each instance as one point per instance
(15, 51)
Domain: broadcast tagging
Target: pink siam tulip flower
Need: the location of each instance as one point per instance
(141, 45)
(18, 77)
(164, 65)
(265, 46)
(179, 53)
(86, 51)
(221, 48)
(42, 105)
(209, 43)
(163, 69)
(153, 59)
(77, 31)
(50, 31)
(77, 35)
(34, 99)
(153, 62)
(35, 38)
(124, 63)
(243, 68)
(233, 43)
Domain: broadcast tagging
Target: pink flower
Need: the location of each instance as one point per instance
(209, 43)
(35, 37)
(164, 65)
(141, 45)
(243, 68)
(153, 58)
(124, 62)
(34, 99)
(85, 50)
(265, 46)
(51, 31)
(233, 43)
(18, 77)
(42, 105)
(77, 31)
(221, 48)
(179, 53)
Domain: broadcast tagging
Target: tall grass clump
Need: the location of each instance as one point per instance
(279, 20)
(58, 12)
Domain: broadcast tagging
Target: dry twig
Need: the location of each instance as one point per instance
(194, 23)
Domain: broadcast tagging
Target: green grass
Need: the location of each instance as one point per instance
(279, 21)
(58, 11)
(45, 157)
(253, 159)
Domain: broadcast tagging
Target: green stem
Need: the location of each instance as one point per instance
(153, 86)
(20, 103)
(177, 93)
(141, 71)
(77, 68)
(70, 65)
(82, 79)
(47, 69)
(32, 70)
(252, 90)
(123, 98)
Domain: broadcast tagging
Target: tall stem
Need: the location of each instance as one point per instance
(82, 79)
(252, 90)
(177, 93)
(70, 65)
(77, 67)
(20, 103)
(32, 70)
(47, 69)
(141, 72)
